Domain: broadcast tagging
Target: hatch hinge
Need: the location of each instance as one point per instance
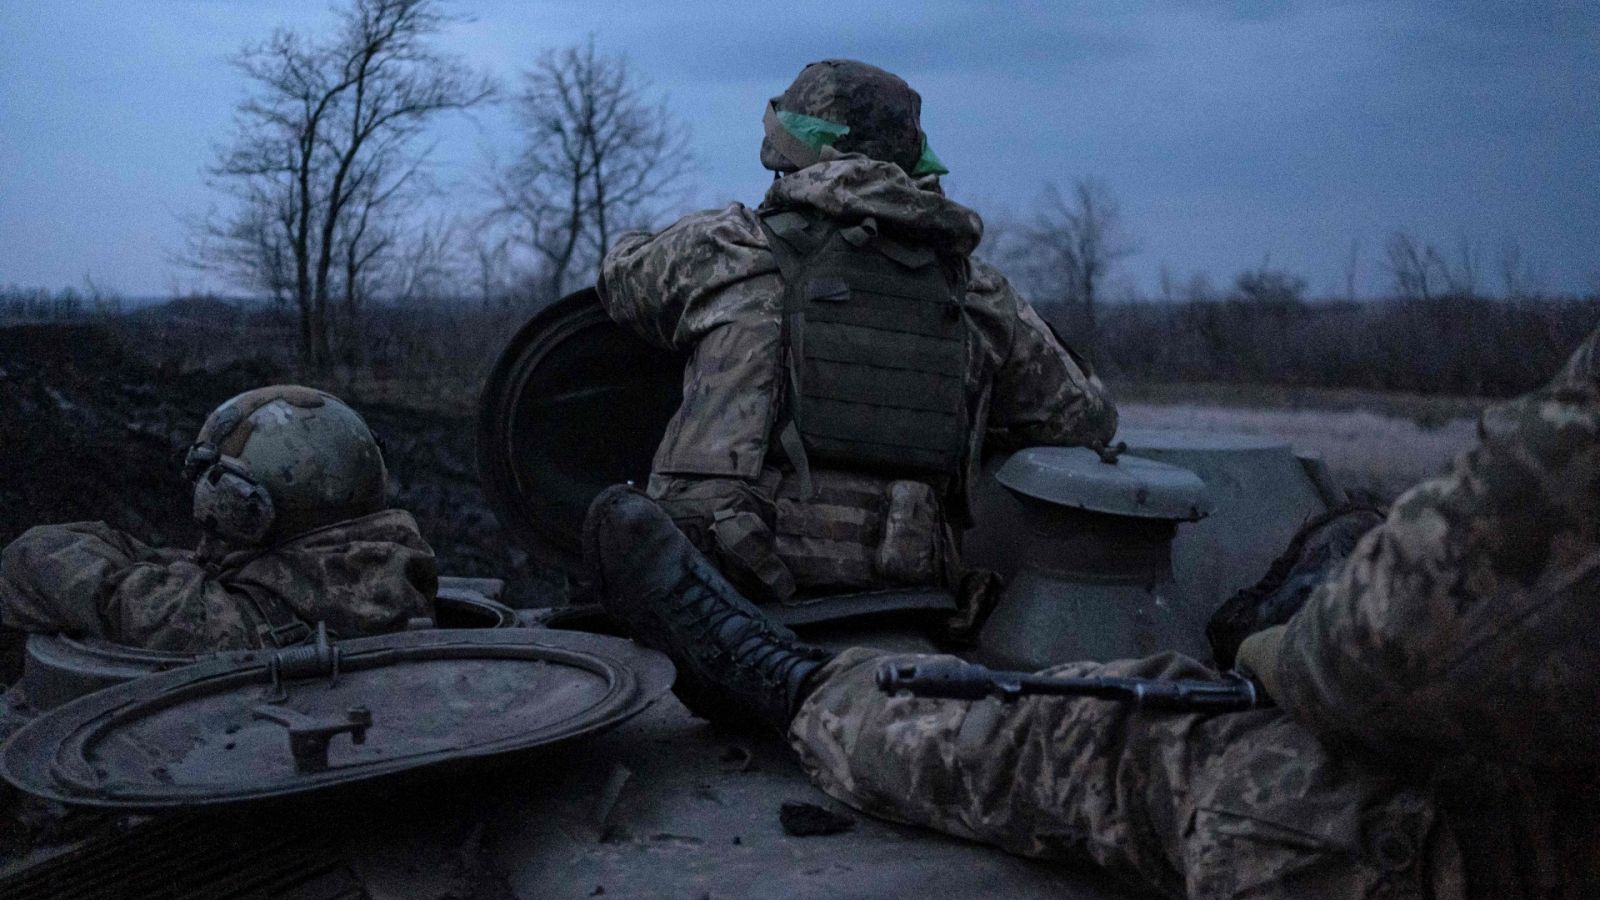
(320, 657)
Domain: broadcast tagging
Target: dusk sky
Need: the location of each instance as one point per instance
(1230, 132)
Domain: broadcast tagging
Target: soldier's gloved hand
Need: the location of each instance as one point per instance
(1314, 555)
(1258, 658)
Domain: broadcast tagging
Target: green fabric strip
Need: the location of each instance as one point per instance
(816, 133)
(928, 163)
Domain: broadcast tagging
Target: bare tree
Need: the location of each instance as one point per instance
(1413, 265)
(323, 150)
(1167, 284)
(600, 155)
(1518, 276)
(1265, 286)
(1461, 279)
(1076, 239)
(1352, 264)
(1422, 272)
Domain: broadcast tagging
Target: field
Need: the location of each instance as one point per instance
(1373, 442)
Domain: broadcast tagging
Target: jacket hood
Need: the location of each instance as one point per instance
(852, 187)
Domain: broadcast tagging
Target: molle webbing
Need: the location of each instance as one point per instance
(876, 346)
(829, 540)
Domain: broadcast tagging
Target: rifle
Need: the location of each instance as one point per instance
(968, 681)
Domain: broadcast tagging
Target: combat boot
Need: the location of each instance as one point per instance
(1313, 556)
(735, 665)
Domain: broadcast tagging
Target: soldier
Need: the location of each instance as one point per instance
(1435, 735)
(289, 489)
(848, 356)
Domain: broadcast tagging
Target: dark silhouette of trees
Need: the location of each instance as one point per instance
(1072, 242)
(601, 154)
(324, 156)
(1268, 287)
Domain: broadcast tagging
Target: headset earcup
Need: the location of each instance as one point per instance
(232, 506)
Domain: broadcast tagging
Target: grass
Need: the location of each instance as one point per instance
(1369, 450)
(1427, 411)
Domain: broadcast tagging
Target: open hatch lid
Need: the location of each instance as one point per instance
(249, 725)
(1120, 485)
(575, 404)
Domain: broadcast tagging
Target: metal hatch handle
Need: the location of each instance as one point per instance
(308, 737)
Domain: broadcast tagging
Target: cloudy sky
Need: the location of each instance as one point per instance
(1231, 132)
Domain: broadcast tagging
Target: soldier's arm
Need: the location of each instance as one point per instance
(674, 286)
(1464, 620)
(51, 577)
(179, 606)
(1043, 393)
(89, 579)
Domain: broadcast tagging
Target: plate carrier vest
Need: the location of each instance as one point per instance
(877, 347)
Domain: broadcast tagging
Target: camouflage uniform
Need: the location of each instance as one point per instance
(1467, 620)
(1459, 642)
(1240, 805)
(1462, 632)
(360, 576)
(709, 285)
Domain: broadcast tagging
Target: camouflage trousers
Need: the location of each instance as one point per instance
(1240, 805)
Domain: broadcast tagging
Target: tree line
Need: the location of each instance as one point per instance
(329, 205)
(329, 202)
(1446, 327)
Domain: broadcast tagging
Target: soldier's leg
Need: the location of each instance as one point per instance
(1247, 804)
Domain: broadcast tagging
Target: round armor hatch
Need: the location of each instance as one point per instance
(574, 404)
(1077, 477)
(255, 724)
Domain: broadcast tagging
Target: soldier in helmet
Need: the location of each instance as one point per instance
(1435, 736)
(849, 357)
(289, 489)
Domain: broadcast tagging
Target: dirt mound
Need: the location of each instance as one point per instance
(90, 429)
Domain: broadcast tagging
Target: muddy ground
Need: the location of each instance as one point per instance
(92, 427)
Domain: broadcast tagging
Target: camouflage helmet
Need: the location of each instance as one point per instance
(278, 461)
(854, 108)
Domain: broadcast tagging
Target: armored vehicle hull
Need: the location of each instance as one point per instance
(669, 806)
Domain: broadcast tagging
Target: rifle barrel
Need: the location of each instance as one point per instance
(969, 681)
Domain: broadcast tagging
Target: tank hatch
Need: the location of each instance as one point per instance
(257, 724)
(574, 404)
(1106, 482)
(57, 668)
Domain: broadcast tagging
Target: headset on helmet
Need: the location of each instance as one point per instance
(280, 460)
(227, 501)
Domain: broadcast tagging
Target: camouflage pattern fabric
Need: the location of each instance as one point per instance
(1242, 805)
(860, 531)
(882, 112)
(360, 576)
(708, 284)
(1466, 623)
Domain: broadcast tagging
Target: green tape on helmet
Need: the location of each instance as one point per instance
(928, 163)
(816, 133)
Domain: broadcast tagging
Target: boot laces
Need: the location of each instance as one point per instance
(759, 648)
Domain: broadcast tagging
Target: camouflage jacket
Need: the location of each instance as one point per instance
(360, 576)
(709, 285)
(1466, 623)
